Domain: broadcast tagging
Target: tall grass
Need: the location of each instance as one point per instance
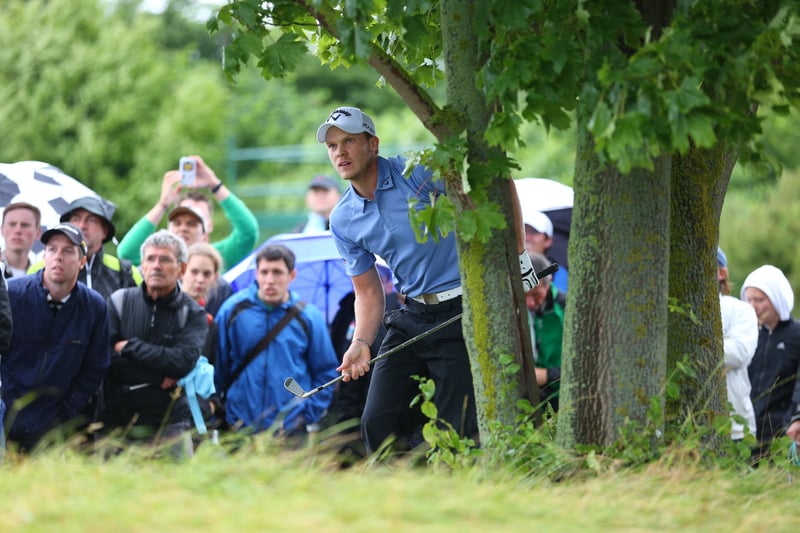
(263, 488)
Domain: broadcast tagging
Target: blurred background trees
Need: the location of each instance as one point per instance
(114, 95)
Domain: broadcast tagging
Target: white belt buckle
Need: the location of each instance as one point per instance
(430, 299)
(439, 297)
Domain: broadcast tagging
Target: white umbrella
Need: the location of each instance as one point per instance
(45, 186)
(539, 194)
(553, 199)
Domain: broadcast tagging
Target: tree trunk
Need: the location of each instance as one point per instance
(699, 181)
(615, 340)
(489, 271)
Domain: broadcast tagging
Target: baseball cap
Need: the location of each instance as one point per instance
(323, 182)
(96, 207)
(185, 210)
(73, 233)
(539, 222)
(349, 119)
(722, 259)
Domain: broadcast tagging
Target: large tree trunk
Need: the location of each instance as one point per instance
(699, 181)
(615, 341)
(493, 329)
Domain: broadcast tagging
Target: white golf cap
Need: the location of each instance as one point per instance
(539, 222)
(349, 119)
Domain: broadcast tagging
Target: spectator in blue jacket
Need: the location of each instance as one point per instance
(302, 350)
(59, 348)
(6, 329)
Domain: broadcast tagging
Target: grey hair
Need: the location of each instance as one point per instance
(166, 239)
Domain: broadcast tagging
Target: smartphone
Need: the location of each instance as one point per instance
(188, 168)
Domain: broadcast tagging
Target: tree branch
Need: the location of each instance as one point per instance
(418, 100)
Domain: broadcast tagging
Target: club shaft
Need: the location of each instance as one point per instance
(545, 272)
(394, 350)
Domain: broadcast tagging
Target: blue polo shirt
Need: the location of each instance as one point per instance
(362, 228)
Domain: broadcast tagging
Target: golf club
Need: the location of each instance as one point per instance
(294, 387)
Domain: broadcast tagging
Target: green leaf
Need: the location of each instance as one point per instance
(672, 390)
(432, 221)
(644, 67)
(690, 95)
(245, 13)
(556, 116)
(480, 222)
(430, 433)
(701, 128)
(428, 387)
(429, 410)
(601, 124)
(249, 44)
(592, 462)
(680, 133)
(281, 57)
(363, 39)
(524, 406)
(467, 227)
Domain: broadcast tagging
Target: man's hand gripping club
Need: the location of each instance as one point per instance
(355, 362)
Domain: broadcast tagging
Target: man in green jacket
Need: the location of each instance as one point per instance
(244, 226)
(546, 315)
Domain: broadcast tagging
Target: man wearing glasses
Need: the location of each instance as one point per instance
(156, 334)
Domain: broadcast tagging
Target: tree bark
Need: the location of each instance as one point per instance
(489, 270)
(699, 182)
(615, 344)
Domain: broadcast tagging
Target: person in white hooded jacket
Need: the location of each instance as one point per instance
(740, 337)
(774, 369)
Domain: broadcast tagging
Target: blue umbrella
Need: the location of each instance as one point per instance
(321, 278)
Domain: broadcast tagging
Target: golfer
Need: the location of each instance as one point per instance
(371, 218)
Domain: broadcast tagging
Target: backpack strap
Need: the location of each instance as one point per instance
(292, 313)
(117, 299)
(183, 315)
(247, 304)
(126, 276)
(238, 308)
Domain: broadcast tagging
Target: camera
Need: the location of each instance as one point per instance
(188, 167)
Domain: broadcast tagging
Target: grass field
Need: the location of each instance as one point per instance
(261, 490)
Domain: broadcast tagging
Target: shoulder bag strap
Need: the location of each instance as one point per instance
(258, 348)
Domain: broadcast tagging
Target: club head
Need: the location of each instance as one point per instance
(294, 387)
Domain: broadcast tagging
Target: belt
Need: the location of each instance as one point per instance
(438, 297)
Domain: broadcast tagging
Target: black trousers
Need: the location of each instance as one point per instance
(442, 356)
